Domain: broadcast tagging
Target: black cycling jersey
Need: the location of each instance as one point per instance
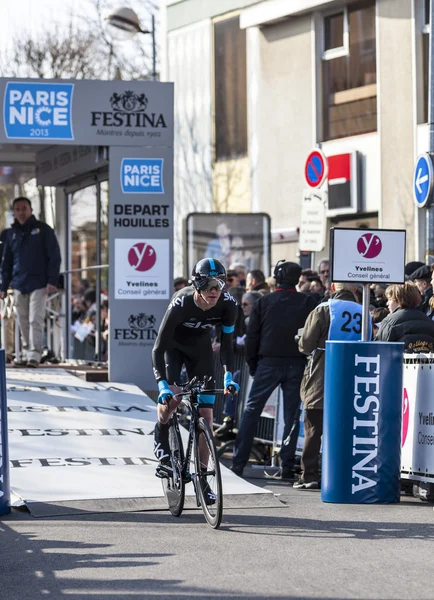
(185, 330)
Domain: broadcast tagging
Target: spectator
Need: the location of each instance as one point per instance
(378, 295)
(316, 286)
(179, 283)
(104, 329)
(273, 359)
(31, 263)
(411, 267)
(324, 323)
(241, 271)
(422, 278)
(303, 284)
(255, 282)
(247, 303)
(83, 285)
(378, 315)
(89, 300)
(78, 309)
(324, 271)
(271, 282)
(431, 301)
(232, 279)
(406, 323)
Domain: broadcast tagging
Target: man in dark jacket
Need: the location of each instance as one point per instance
(30, 265)
(274, 359)
(255, 282)
(340, 318)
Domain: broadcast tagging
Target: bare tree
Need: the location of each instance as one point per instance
(51, 55)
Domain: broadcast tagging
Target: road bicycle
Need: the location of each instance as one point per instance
(206, 477)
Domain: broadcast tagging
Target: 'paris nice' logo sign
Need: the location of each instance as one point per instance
(142, 257)
(38, 110)
(369, 245)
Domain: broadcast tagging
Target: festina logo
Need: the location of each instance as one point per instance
(141, 329)
(365, 424)
(128, 110)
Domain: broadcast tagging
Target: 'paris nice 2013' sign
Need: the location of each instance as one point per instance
(38, 110)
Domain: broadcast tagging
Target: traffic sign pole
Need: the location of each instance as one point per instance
(429, 256)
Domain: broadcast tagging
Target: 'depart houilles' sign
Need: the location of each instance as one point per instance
(367, 256)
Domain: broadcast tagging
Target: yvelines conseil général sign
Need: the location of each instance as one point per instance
(367, 255)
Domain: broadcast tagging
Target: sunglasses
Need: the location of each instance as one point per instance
(245, 304)
(324, 272)
(206, 284)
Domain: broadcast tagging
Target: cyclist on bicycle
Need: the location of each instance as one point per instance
(184, 339)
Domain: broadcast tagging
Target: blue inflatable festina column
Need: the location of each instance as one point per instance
(5, 489)
(362, 422)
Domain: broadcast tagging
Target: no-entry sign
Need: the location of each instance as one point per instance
(315, 169)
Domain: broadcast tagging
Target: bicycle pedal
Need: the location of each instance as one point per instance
(163, 472)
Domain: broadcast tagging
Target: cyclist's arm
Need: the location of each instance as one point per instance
(165, 336)
(227, 342)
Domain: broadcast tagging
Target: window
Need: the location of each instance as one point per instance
(230, 100)
(334, 32)
(349, 72)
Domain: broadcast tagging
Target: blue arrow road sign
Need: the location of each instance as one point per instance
(423, 179)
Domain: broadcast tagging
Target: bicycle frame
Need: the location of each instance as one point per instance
(191, 402)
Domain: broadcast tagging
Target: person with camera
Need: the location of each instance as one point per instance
(274, 360)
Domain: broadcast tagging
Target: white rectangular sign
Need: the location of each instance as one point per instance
(141, 269)
(417, 454)
(367, 256)
(313, 221)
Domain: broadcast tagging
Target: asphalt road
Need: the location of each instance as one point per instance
(303, 549)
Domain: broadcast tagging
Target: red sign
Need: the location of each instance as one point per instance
(339, 168)
(315, 169)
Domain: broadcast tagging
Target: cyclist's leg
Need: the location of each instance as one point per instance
(174, 362)
(201, 365)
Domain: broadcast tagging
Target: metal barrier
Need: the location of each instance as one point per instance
(10, 333)
(70, 346)
(265, 432)
(58, 335)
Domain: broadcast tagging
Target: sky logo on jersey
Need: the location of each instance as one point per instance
(38, 110)
(142, 176)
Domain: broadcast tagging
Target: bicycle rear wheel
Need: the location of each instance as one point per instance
(209, 481)
(174, 484)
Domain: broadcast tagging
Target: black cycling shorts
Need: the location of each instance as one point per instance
(198, 360)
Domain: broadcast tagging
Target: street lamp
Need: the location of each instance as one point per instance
(124, 24)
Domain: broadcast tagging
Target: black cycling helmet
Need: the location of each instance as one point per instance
(287, 273)
(208, 273)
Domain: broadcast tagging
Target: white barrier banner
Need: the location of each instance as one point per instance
(417, 453)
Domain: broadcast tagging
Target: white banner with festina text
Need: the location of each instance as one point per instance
(74, 440)
(417, 452)
(70, 439)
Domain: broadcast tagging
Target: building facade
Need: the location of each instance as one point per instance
(258, 85)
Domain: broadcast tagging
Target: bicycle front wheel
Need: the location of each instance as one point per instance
(174, 484)
(209, 481)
